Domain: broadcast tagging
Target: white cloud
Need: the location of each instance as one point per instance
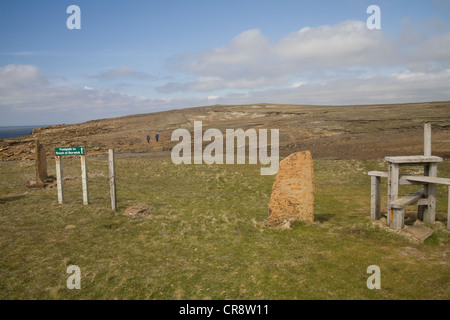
(244, 51)
(297, 84)
(346, 44)
(340, 64)
(344, 63)
(27, 97)
(25, 90)
(433, 49)
(394, 88)
(250, 61)
(21, 75)
(122, 72)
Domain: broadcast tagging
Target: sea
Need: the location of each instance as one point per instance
(17, 131)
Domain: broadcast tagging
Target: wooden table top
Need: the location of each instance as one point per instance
(414, 159)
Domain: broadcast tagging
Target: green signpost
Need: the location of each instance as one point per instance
(69, 151)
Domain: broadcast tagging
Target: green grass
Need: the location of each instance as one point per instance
(205, 236)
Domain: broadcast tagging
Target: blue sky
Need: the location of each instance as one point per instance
(144, 56)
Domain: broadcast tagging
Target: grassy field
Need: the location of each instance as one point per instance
(205, 236)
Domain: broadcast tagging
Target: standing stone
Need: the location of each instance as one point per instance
(43, 180)
(41, 163)
(293, 190)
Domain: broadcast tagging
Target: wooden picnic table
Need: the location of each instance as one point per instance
(426, 212)
(424, 198)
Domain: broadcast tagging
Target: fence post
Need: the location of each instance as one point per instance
(112, 179)
(84, 179)
(59, 179)
(427, 140)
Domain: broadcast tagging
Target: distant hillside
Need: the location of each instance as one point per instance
(337, 132)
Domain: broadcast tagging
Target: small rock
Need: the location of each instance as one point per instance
(285, 225)
(35, 185)
(135, 210)
(70, 226)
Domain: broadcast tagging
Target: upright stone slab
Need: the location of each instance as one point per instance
(293, 190)
(41, 164)
(43, 180)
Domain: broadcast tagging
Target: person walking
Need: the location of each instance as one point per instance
(157, 137)
(148, 139)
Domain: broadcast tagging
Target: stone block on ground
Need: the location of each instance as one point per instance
(419, 232)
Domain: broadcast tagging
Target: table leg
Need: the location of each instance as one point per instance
(375, 198)
(448, 210)
(422, 209)
(430, 212)
(393, 176)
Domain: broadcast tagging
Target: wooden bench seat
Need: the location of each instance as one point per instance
(405, 179)
(397, 213)
(408, 200)
(378, 174)
(424, 179)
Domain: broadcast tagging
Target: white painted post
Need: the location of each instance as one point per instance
(84, 179)
(59, 179)
(427, 140)
(112, 179)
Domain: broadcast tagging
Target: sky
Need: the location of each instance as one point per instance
(141, 56)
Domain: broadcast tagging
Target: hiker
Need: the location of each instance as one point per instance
(148, 139)
(157, 137)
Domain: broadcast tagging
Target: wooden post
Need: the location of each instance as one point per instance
(84, 179)
(448, 209)
(398, 219)
(112, 179)
(420, 210)
(427, 140)
(430, 212)
(388, 212)
(429, 215)
(393, 176)
(375, 198)
(59, 179)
